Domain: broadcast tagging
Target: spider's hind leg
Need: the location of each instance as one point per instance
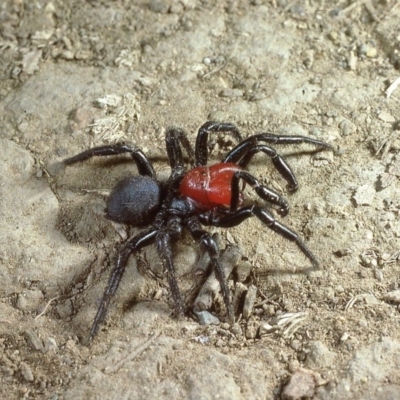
(165, 235)
(142, 162)
(136, 243)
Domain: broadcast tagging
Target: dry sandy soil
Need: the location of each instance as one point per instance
(77, 74)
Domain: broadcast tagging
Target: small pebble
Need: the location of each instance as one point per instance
(333, 36)
(295, 344)
(372, 52)
(293, 366)
(339, 289)
(352, 61)
(50, 344)
(202, 339)
(386, 117)
(236, 329)
(343, 252)
(231, 93)
(364, 195)
(249, 301)
(347, 127)
(26, 372)
(206, 318)
(378, 274)
(29, 300)
(30, 61)
(159, 6)
(240, 290)
(266, 329)
(301, 385)
(344, 337)
(319, 356)
(243, 271)
(393, 296)
(7, 371)
(251, 329)
(34, 340)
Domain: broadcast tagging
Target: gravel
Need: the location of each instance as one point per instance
(264, 66)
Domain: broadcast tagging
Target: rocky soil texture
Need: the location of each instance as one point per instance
(78, 74)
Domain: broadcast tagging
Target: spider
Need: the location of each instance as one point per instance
(203, 195)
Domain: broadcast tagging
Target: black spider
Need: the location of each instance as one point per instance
(203, 195)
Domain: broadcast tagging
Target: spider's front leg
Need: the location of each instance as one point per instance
(174, 138)
(142, 240)
(201, 151)
(264, 192)
(246, 150)
(142, 162)
(237, 217)
(201, 235)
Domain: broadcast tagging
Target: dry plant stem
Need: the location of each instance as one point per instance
(46, 307)
(132, 355)
(393, 86)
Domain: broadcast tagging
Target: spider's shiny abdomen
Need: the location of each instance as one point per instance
(134, 200)
(209, 186)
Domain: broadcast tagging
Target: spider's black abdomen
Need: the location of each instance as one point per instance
(134, 201)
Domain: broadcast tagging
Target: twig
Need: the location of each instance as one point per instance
(131, 356)
(214, 71)
(46, 307)
(393, 86)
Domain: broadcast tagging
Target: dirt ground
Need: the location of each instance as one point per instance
(79, 74)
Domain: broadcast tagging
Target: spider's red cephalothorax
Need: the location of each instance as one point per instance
(210, 186)
(205, 195)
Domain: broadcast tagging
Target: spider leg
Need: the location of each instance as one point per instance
(245, 151)
(174, 137)
(264, 192)
(199, 234)
(163, 242)
(141, 240)
(288, 139)
(237, 217)
(142, 162)
(201, 151)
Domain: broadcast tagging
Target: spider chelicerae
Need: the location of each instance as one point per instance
(203, 195)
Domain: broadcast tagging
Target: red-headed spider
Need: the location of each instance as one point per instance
(203, 195)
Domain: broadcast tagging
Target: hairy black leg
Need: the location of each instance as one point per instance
(141, 240)
(262, 191)
(245, 151)
(174, 138)
(163, 242)
(199, 234)
(142, 162)
(236, 218)
(201, 150)
(289, 139)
